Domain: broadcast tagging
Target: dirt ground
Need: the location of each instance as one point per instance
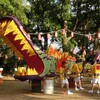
(12, 89)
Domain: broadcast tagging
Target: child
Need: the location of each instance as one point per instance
(95, 71)
(76, 74)
(64, 80)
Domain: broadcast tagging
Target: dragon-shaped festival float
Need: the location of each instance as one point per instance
(39, 64)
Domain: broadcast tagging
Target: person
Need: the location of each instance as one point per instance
(76, 72)
(95, 72)
(64, 78)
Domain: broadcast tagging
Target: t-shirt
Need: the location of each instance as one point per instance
(95, 70)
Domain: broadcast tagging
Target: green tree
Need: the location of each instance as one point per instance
(48, 14)
(85, 20)
(15, 8)
(86, 15)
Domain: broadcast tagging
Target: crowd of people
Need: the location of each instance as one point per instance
(77, 72)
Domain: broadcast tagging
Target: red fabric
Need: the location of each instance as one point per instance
(59, 63)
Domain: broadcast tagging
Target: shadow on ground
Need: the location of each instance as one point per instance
(17, 90)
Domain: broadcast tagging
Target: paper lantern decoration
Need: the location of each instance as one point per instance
(98, 35)
(6, 56)
(48, 35)
(73, 51)
(89, 37)
(84, 52)
(39, 36)
(98, 57)
(72, 34)
(1, 69)
(80, 47)
(63, 31)
(56, 34)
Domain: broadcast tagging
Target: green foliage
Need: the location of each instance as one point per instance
(69, 44)
(70, 65)
(86, 15)
(48, 14)
(14, 8)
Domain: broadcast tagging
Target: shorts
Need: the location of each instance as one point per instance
(95, 81)
(81, 77)
(65, 81)
(77, 79)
